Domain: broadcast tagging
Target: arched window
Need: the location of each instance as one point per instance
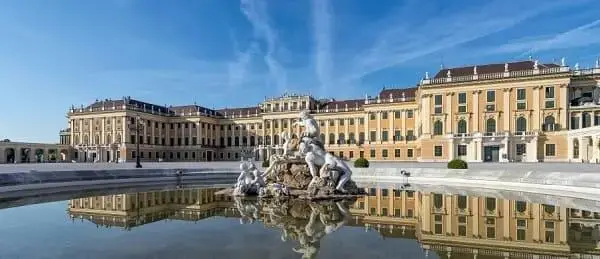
(490, 125)
(521, 206)
(521, 124)
(244, 141)
(438, 201)
(260, 140)
(575, 148)
(76, 140)
(462, 126)
(276, 140)
(341, 139)
(108, 139)
(267, 140)
(85, 140)
(351, 138)
(586, 120)
(322, 137)
(331, 138)
(549, 123)
(438, 128)
(97, 140)
(252, 141)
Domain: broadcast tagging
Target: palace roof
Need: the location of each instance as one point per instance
(491, 68)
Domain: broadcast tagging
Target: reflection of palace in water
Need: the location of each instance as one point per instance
(453, 226)
(130, 210)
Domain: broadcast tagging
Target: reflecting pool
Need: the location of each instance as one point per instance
(388, 222)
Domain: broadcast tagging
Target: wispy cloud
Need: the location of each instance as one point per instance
(238, 69)
(256, 13)
(581, 36)
(322, 18)
(399, 43)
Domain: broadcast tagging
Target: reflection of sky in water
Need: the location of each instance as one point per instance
(46, 231)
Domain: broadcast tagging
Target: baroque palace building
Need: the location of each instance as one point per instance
(514, 112)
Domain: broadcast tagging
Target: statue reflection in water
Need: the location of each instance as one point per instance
(306, 222)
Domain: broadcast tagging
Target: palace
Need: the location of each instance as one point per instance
(514, 112)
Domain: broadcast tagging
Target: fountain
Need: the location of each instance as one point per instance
(304, 170)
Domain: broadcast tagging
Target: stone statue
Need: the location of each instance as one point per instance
(249, 181)
(317, 156)
(449, 74)
(562, 62)
(311, 127)
(505, 67)
(535, 64)
(289, 144)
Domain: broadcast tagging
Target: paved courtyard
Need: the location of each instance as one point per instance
(543, 167)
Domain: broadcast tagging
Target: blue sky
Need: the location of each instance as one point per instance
(231, 53)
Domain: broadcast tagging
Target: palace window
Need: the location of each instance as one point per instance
(410, 135)
(361, 154)
(341, 139)
(361, 138)
(372, 153)
(491, 96)
(384, 135)
(462, 150)
(462, 126)
(361, 121)
(549, 95)
(331, 122)
(351, 154)
(462, 102)
(575, 148)
(520, 149)
(384, 153)
(549, 123)
(372, 116)
(373, 136)
(490, 125)
(384, 115)
(520, 206)
(409, 114)
(397, 135)
(437, 151)
(574, 122)
(521, 230)
(461, 200)
(397, 114)
(351, 138)
(351, 121)
(549, 235)
(438, 128)
(550, 149)
(409, 152)
(521, 124)
(397, 152)
(341, 122)
(521, 99)
(586, 120)
(438, 104)
(331, 138)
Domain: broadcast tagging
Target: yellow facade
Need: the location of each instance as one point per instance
(519, 112)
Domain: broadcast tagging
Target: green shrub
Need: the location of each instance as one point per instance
(361, 162)
(457, 164)
(265, 164)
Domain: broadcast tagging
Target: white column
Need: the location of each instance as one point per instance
(536, 109)
(475, 113)
(392, 128)
(356, 131)
(72, 127)
(451, 148)
(366, 126)
(507, 115)
(378, 137)
(563, 117)
(570, 148)
(532, 150)
(113, 126)
(346, 129)
(448, 109)
(595, 150)
(337, 130)
(327, 132)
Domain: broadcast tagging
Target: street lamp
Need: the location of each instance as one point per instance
(137, 128)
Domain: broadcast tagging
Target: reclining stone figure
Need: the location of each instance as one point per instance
(317, 156)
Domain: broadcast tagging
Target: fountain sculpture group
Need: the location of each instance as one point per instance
(304, 170)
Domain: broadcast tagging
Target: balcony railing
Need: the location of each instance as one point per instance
(497, 75)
